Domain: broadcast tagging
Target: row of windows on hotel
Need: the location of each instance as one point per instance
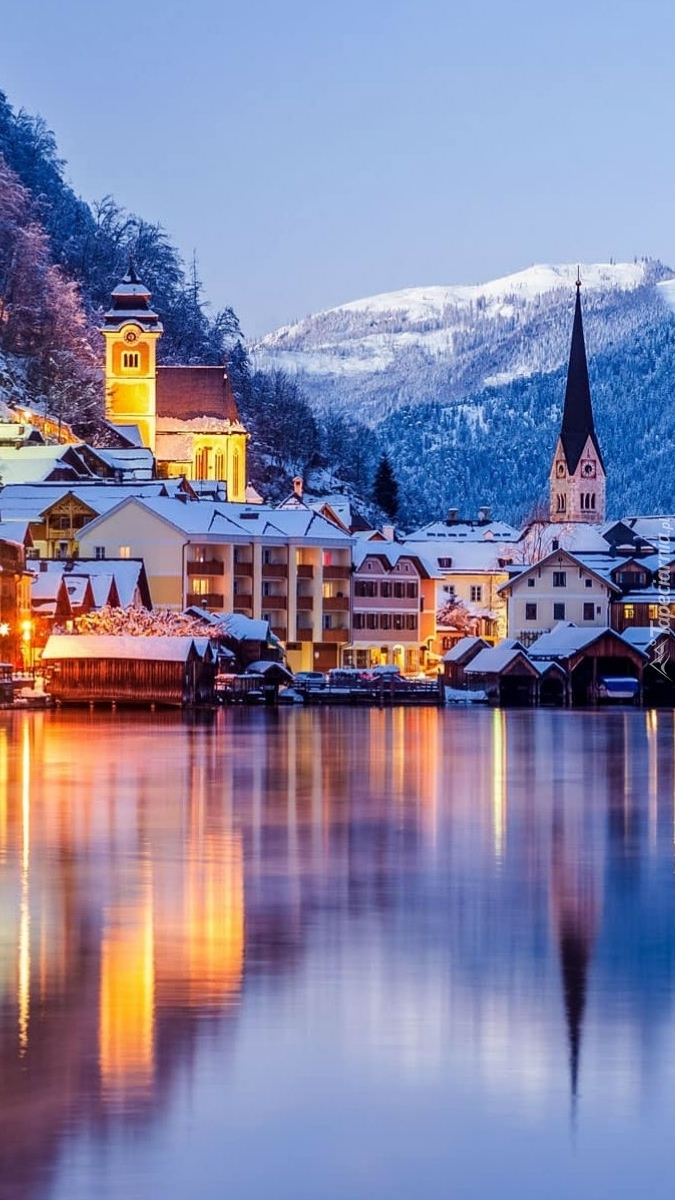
(400, 590)
(373, 620)
(559, 612)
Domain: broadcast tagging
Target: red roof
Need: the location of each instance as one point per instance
(192, 392)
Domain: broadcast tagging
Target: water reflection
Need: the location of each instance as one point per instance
(476, 906)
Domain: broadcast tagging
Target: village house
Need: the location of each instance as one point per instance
(561, 587)
(471, 560)
(393, 608)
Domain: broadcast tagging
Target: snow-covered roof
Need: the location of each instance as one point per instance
(643, 636)
(495, 659)
(652, 529)
(154, 649)
(462, 647)
(470, 557)
(242, 628)
(392, 552)
(464, 531)
(566, 639)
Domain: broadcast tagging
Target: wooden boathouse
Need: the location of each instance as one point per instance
(91, 669)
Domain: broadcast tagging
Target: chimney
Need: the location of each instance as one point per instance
(389, 533)
(297, 486)
(485, 514)
(453, 516)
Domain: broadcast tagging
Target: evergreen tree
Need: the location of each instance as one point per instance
(385, 488)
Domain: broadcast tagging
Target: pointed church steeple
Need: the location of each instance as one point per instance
(577, 478)
(577, 421)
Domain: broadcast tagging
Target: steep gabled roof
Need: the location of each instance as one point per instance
(577, 422)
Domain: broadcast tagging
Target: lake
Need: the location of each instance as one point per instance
(337, 954)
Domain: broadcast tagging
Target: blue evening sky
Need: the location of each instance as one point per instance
(317, 153)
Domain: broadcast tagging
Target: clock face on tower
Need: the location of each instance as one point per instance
(588, 469)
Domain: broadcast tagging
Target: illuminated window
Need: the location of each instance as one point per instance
(653, 612)
(125, 552)
(629, 611)
(236, 473)
(220, 465)
(202, 463)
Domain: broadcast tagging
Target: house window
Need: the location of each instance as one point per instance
(411, 621)
(125, 552)
(653, 612)
(561, 502)
(531, 582)
(629, 611)
(560, 578)
(236, 474)
(99, 551)
(588, 583)
(365, 587)
(411, 591)
(359, 620)
(398, 620)
(558, 612)
(328, 621)
(371, 620)
(589, 611)
(202, 463)
(385, 620)
(267, 589)
(267, 556)
(445, 563)
(476, 593)
(220, 465)
(530, 612)
(131, 360)
(399, 590)
(385, 588)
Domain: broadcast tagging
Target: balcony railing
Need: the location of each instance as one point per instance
(279, 631)
(277, 570)
(334, 635)
(209, 600)
(305, 571)
(275, 603)
(210, 567)
(336, 604)
(243, 568)
(305, 603)
(337, 572)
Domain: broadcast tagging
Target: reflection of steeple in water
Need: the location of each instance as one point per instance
(574, 909)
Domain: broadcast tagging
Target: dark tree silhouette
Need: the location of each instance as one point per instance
(385, 488)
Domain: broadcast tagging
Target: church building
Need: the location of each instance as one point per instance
(577, 476)
(187, 416)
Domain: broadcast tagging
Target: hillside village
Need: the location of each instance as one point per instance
(163, 522)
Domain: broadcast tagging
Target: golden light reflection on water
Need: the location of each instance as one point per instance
(155, 871)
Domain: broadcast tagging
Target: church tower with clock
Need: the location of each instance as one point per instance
(131, 331)
(577, 477)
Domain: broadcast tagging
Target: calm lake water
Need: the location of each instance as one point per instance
(337, 955)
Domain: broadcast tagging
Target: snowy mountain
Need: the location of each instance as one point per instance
(464, 385)
(448, 342)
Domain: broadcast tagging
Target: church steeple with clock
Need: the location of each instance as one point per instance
(577, 476)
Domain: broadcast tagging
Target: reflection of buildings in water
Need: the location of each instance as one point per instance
(473, 838)
(122, 925)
